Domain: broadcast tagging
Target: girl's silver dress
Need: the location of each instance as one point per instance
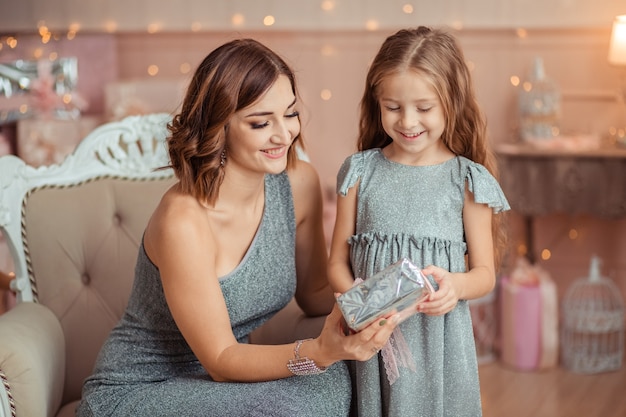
(416, 212)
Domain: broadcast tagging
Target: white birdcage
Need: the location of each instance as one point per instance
(593, 324)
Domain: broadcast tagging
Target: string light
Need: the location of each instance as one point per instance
(110, 26)
(372, 24)
(153, 70)
(328, 50)
(185, 67)
(328, 5)
(238, 19)
(154, 28)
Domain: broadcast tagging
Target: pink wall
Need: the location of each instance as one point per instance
(338, 60)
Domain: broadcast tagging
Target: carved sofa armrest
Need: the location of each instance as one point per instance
(32, 361)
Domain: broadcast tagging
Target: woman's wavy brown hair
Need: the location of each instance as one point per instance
(435, 55)
(232, 77)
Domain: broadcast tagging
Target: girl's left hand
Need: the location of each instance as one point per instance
(445, 298)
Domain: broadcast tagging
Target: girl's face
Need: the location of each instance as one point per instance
(260, 135)
(412, 115)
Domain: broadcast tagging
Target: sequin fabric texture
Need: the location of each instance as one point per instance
(416, 212)
(147, 369)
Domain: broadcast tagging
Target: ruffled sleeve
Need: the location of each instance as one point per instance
(485, 188)
(349, 173)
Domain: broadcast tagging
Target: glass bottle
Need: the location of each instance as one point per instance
(539, 105)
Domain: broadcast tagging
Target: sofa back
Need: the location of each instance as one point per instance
(83, 242)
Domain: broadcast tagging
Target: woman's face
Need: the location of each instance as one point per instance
(411, 114)
(260, 135)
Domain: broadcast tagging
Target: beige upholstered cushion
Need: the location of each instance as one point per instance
(84, 241)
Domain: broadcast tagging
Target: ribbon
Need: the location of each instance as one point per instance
(396, 352)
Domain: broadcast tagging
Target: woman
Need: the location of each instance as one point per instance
(228, 246)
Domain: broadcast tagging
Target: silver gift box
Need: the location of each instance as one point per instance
(398, 287)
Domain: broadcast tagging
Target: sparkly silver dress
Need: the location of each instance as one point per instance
(416, 212)
(147, 369)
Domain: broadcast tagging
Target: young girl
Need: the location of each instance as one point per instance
(421, 187)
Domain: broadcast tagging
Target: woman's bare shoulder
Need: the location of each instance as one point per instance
(178, 218)
(303, 175)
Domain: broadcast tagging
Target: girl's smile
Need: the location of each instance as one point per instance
(412, 116)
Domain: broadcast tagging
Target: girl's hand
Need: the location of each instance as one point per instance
(335, 345)
(445, 298)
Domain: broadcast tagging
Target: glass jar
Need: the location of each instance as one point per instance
(539, 105)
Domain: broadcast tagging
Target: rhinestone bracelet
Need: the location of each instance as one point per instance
(303, 366)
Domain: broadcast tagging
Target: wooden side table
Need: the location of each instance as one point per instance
(542, 181)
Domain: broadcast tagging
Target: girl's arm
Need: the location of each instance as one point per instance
(313, 294)
(339, 269)
(480, 278)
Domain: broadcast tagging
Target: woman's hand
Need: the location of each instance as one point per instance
(445, 298)
(334, 345)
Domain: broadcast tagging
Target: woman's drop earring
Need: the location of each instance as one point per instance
(223, 158)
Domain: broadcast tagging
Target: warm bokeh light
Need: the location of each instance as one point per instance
(328, 50)
(153, 70)
(43, 31)
(407, 8)
(154, 27)
(24, 108)
(522, 250)
(269, 20)
(37, 53)
(110, 26)
(573, 234)
(67, 98)
(515, 80)
(238, 19)
(326, 94)
(372, 24)
(185, 67)
(527, 86)
(53, 56)
(327, 5)
(12, 42)
(546, 254)
(457, 25)
(521, 33)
